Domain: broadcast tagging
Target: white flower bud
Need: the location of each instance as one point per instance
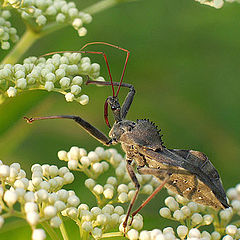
(232, 193)
(53, 171)
(60, 18)
(49, 86)
(97, 233)
(90, 183)
(72, 164)
(29, 197)
(178, 215)
(132, 234)
(168, 230)
(55, 222)
(97, 168)
(147, 189)
(144, 235)
(186, 211)
(196, 218)
(215, 235)
(137, 224)
(62, 171)
(63, 195)
(193, 206)
(65, 82)
(38, 234)
(74, 153)
(4, 171)
(77, 80)
(69, 97)
(114, 219)
(101, 219)
(68, 178)
(165, 212)
(236, 205)
(59, 205)
(1, 191)
(93, 157)
(13, 173)
(77, 23)
(119, 210)
(72, 212)
(227, 237)
(83, 99)
(42, 195)
(231, 230)
(21, 83)
(11, 92)
(82, 31)
(87, 226)
(108, 193)
(10, 197)
(182, 231)
(226, 214)
(194, 233)
(83, 207)
(85, 161)
(50, 211)
(171, 203)
(98, 189)
(73, 201)
(123, 197)
(122, 188)
(30, 207)
(207, 219)
(181, 200)
(33, 218)
(45, 185)
(112, 181)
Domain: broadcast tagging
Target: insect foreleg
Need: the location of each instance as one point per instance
(129, 98)
(146, 170)
(93, 131)
(137, 185)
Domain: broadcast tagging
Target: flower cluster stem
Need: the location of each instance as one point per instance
(26, 41)
(63, 229)
(53, 235)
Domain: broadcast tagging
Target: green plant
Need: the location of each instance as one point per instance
(42, 199)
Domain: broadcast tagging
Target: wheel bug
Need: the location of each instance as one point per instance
(185, 172)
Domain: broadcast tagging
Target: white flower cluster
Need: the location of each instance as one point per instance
(59, 73)
(192, 216)
(44, 12)
(116, 189)
(7, 32)
(42, 198)
(215, 3)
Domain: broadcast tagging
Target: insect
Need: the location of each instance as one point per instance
(186, 172)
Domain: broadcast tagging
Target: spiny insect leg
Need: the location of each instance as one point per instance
(137, 185)
(152, 172)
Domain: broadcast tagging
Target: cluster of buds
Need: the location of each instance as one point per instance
(43, 12)
(193, 216)
(118, 188)
(7, 32)
(59, 73)
(42, 198)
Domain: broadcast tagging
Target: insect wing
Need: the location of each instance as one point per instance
(196, 163)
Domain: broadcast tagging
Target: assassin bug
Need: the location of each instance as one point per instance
(186, 172)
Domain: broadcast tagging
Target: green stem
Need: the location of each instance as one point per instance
(26, 41)
(102, 5)
(112, 234)
(53, 235)
(63, 229)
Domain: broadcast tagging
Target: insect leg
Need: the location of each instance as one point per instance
(137, 185)
(152, 171)
(93, 131)
(129, 98)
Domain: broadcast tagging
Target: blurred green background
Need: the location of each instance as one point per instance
(184, 64)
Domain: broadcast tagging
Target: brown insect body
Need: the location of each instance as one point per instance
(192, 175)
